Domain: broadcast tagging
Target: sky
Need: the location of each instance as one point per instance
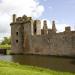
(62, 11)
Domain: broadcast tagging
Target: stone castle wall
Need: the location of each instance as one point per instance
(27, 37)
(58, 44)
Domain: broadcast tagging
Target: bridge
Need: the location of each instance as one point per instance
(5, 51)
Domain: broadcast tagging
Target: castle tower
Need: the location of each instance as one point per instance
(16, 35)
(37, 27)
(27, 23)
(53, 26)
(45, 28)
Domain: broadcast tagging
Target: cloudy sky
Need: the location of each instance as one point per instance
(62, 11)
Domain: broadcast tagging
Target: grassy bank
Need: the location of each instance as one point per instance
(7, 68)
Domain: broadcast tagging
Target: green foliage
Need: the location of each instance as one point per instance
(6, 46)
(8, 68)
(7, 40)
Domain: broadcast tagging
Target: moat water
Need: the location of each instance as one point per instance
(54, 63)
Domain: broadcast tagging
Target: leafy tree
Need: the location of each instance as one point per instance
(7, 40)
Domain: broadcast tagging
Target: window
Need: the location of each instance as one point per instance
(16, 41)
(16, 33)
(35, 29)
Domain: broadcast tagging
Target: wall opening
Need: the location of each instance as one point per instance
(16, 41)
(17, 33)
(35, 27)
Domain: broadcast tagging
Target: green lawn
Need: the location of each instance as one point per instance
(8, 68)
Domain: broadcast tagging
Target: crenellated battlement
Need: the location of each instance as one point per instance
(22, 19)
(35, 25)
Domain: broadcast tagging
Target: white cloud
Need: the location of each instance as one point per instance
(37, 11)
(4, 23)
(61, 27)
(20, 7)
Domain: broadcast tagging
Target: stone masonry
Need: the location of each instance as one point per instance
(27, 37)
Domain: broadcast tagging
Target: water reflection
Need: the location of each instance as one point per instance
(54, 63)
(73, 61)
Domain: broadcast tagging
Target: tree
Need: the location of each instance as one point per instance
(7, 40)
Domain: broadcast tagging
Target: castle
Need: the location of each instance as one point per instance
(27, 37)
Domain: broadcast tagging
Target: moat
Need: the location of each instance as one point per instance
(52, 62)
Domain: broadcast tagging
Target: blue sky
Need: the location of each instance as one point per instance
(62, 11)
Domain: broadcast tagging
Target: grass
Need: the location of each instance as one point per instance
(9, 68)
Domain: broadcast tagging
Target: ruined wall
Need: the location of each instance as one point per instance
(39, 45)
(37, 27)
(57, 44)
(27, 37)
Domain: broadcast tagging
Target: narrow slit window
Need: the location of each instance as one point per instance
(16, 41)
(16, 33)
